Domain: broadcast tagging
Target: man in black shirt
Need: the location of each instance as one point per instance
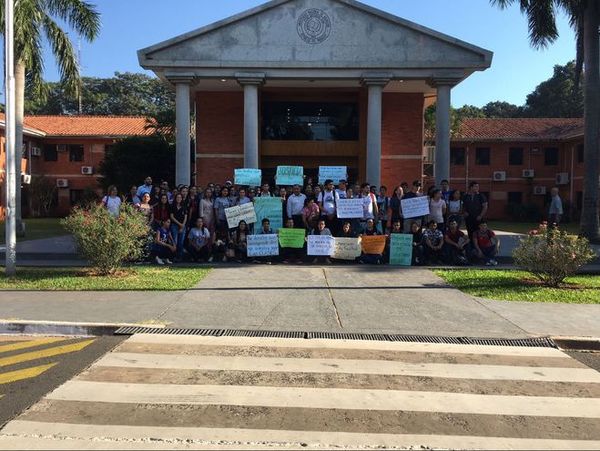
(475, 207)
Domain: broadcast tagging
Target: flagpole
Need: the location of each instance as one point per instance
(10, 128)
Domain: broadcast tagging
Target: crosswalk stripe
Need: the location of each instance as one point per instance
(184, 340)
(29, 344)
(173, 437)
(298, 365)
(29, 373)
(331, 398)
(44, 353)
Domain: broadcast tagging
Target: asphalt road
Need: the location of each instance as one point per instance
(31, 367)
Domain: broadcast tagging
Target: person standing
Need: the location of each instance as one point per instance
(556, 208)
(220, 204)
(112, 201)
(383, 204)
(295, 205)
(416, 191)
(178, 223)
(437, 209)
(395, 209)
(370, 209)
(475, 207)
(145, 188)
(446, 192)
(328, 200)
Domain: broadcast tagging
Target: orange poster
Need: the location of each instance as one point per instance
(374, 244)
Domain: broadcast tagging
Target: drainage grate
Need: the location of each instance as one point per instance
(426, 339)
(263, 334)
(346, 336)
(519, 342)
(166, 331)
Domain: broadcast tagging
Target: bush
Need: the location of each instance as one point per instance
(106, 241)
(552, 255)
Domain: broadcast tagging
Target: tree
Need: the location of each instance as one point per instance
(131, 160)
(500, 109)
(584, 16)
(33, 21)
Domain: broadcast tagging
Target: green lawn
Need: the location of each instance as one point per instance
(508, 285)
(75, 279)
(37, 228)
(525, 227)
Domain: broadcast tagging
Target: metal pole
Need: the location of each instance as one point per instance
(11, 159)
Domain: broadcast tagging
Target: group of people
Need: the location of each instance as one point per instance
(191, 223)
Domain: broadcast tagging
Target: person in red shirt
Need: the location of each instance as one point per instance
(455, 245)
(486, 244)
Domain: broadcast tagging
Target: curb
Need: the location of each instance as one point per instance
(63, 328)
(589, 344)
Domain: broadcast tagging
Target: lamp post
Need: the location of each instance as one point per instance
(10, 127)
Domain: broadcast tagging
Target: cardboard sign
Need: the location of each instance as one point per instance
(271, 208)
(289, 175)
(263, 245)
(374, 244)
(401, 249)
(347, 248)
(248, 177)
(350, 208)
(240, 213)
(335, 173)
(415, 207)
(292, 238)
(320, 245)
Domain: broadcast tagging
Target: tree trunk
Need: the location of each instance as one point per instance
(20, 108)
(590, 221)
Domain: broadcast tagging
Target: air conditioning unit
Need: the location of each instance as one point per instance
(36, 152)
(87, 170)
(61, 147)
(26, 179)
(539, 190)
(528, 173)
(562, 178)
(500, 176)
(62, 183)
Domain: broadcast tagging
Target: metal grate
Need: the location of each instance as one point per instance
(426, 339)
(263, 334)
(346, 336)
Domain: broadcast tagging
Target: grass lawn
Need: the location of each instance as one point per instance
(75, 279)
(38, 228)
(507, 285)
(525, 227)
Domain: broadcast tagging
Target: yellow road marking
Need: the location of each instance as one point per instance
(51, 352)
(28, 373)
(29, 344)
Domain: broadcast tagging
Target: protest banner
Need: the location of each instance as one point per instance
(374, 244)
(346, 249)
(335, 173)
(320, 245)
(415, 207)
(350, 208)
(289, 175)
(270, 208)
(240, 213)
(262, 245)
(401, 249)
(292, 238)
(248, 177)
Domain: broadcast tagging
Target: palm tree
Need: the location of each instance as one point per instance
(584, 17)
(35, 20)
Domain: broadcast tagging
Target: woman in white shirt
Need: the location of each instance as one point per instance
(455, 208)
(437, 209)
(112, 201)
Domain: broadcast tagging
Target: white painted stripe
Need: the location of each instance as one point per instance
(346, 344)
(348, 366)
(327, 398)
(257, 437)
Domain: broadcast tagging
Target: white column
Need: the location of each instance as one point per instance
(250, 83)
(374, 121)
(182, 110)
(442, 131)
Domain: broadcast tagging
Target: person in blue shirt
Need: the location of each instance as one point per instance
(145, 188)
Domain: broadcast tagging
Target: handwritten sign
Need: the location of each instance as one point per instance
(292, 238)
(263, 245)
(248, 177)
(270, 208)
(415, 207)
(289, 175)
(320, 245)
(350, 208)
(347, 249)
(335, 173)
(401, 249)
(240, 213)
(374, 244)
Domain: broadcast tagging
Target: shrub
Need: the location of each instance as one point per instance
(106, 241)
(552, 255)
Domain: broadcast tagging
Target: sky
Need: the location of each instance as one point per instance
(517, 68)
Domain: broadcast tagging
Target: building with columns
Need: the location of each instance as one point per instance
(312, 83)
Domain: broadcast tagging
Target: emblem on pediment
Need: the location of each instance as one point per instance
(314, 26)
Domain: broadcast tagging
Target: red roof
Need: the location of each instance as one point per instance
(521, 129)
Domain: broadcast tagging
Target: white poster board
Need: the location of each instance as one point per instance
(415, 207)
(320, 245)
(263, 245)
(335, 173)
(347, 249)
(240, 213)
(350, 208)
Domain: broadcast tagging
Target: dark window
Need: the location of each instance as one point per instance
(515, 197)
(75, 196)
(580, 153)
(75, 152)
(50, 152)
(579, 200)
(482, 156)
(551, 156)
(515, 156)
(457, 156)
(428, 169)
(310, 121)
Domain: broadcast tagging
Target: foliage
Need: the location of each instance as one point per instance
(524, 212)
(108, 242)
(42, 195)
(500, 109)
(88, 198)
(552, 255)
(133, 159)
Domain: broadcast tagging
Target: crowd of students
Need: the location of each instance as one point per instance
(189, 223)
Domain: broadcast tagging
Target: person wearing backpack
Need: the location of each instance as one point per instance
(370, 209)
(112, 201)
